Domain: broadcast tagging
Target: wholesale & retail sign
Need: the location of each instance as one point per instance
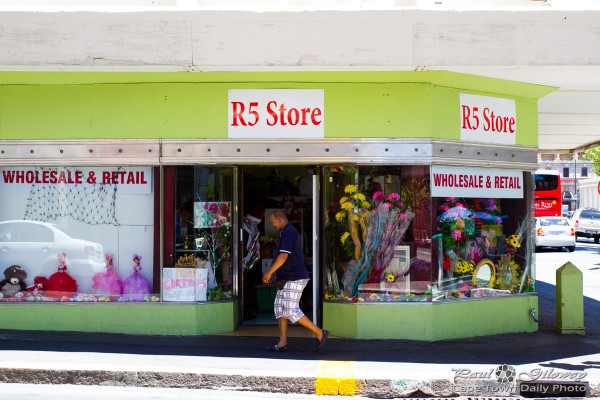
(128, 180)
(487, 119)
(276, 113)
(476, 182)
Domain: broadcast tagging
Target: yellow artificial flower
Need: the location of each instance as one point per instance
(347, 206)
(344, 199)
(390, 277)
(344, 237)
(356, 217)
(365, 204)
(340, 216)
(360, 196)
(350, 189)
(513, 240)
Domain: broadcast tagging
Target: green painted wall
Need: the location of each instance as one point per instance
(431, 321)
(56, 105)
(145, 319)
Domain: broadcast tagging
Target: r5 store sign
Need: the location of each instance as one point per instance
(487, 119)
(276, 113)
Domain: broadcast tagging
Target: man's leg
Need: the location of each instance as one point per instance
(283, 324)
(307, 323)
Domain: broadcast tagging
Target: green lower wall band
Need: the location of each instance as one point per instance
(144, 319)
(413, 321)
(431, 321)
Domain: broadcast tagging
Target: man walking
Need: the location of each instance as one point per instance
(289, 264)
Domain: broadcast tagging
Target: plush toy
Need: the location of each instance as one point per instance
(13, 282)
(136, 286)
(60, 283)
(108, 283)
(40, 284)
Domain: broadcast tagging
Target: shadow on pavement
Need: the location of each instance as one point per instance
(543, 346)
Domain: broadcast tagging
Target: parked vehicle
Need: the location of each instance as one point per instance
(554, 232)
(587, 223)
(34, 246)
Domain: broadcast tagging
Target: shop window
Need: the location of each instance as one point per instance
(483, 246)
(202, 267)
(584, 172)
(78, 234)
(380, 246)
(377, 234)
(565, 173)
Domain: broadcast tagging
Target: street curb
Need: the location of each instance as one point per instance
(375, 388)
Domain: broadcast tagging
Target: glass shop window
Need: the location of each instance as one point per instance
(484, 247)
(377, 227)
(203, 236)
(77, 234)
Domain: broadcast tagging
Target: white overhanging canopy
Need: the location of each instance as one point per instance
(533, 41)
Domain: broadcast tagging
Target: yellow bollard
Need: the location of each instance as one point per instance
(569, 300)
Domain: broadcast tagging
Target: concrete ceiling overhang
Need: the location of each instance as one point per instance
(551, 47)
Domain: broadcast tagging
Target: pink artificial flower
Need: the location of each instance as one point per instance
(459, 205)
(213, 208)
(223, 209)
(393, 196)
(456, 234)
(377, 194)
(387, 205)
(402, 216)
(206, 206)
(444, 207)
(450, 199)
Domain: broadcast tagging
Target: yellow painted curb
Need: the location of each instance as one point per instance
(337, 378)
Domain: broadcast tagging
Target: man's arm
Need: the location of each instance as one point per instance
(275, 266)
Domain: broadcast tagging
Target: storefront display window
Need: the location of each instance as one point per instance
(380, 246)
(203, 236)
(77, 234)
(482, 244)
(377, 234)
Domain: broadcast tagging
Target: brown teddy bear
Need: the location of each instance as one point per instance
(13, 282)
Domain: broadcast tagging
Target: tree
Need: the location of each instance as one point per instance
(594, 156)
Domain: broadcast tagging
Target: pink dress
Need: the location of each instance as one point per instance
(136, 286)
(107, 283)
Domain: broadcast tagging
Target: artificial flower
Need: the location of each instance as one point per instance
(393, 197)
(350, 189)
(347, 206)
(344, 237)
(377, 194)
(390, 277)
(344, 199)
(456, 234)
(365, 204)
(340, 216)
(444, 207)
(360, 196)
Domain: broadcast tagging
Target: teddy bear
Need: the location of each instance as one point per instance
(13, 282)
(39, 286)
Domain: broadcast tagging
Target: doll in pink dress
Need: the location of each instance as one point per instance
(136, 286)
(61, 283)
(108, 283)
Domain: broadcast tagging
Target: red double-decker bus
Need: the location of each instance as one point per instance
(548, 194)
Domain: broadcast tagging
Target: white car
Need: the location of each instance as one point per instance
(34, 246)
(554, 232)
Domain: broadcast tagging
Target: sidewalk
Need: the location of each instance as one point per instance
(372, 368)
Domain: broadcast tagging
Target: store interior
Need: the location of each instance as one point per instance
(265, 189)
